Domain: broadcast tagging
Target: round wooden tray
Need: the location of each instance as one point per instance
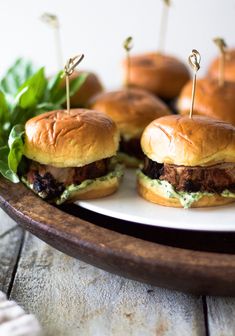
(134, 251)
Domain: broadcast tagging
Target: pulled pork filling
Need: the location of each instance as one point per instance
(131, 147)
(50, 181)
(212, 179)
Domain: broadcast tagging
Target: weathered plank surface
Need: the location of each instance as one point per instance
(10, 240)
(72, 298)
(221, 316)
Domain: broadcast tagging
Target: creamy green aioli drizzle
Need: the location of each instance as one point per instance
(186, 198)
(73, 188)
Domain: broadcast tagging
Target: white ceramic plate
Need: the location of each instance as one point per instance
(128, 205)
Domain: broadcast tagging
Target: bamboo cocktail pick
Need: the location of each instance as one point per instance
(194, 61)
(128, 45)
(53, 21)
(69, 68)
(163, 25)
(222, 49)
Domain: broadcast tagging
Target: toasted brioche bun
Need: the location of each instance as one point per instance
(229, 70)
(89, 88)
(198, 141)
(73, 139)
(97, 189)
(160, 74)
(211, 100)
(155, 196)
(131, 109)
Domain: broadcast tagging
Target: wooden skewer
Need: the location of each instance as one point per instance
(221, 44)
(128, 45)
(194, 61)
(163, 25)
(69, 68)
(53, 21)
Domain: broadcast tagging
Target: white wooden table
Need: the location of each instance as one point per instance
(71, 298)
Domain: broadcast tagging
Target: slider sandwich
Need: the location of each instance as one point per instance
(211, 99)
(229, 68)
(158, 73)
(132, 110)
(71, 155)
(189, 162)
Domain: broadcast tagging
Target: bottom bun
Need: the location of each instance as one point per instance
(128, 161)
(95, 190)
(154, 196)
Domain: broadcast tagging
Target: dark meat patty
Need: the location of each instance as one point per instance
(131, 147)
(51, 181)
(47, 186)
(212, 179)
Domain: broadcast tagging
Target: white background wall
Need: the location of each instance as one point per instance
(98, 27)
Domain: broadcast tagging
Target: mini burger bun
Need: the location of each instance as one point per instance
(160, 74)
(211, 100)
(97, 189)
(229, 69)
(196, 141)
(152, 195)
(89, 88)
(73, 139)
(131, 109)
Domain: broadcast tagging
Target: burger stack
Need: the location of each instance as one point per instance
(132, 110)
(183, 162)
(71, 155)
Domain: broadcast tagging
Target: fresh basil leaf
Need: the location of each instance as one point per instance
(2, 139)
(4, 119)
(16, 133)
(77, 83)
(16, 146)
(10, 101)
(46, 107)
(18, 97)
(36, 86)
(4, 168)
(4, 151)
(16, 75)
(4, 113)
(59, 96)
(54, 82)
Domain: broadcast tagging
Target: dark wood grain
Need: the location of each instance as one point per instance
(209, 241)
(170, 267)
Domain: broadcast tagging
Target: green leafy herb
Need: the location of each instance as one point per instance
(33, 90)
(16, 75)
(58, 93)
(4, 118)
(3, 108)
(16, 146)
(4, 168)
